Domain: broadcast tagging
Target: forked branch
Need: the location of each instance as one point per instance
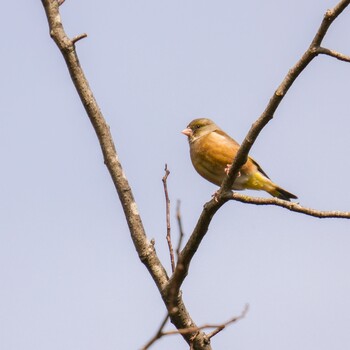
(313, 50)
(169, 289)
(179, 315)
(224, 194)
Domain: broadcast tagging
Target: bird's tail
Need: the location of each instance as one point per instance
(279, 192)
(259, 181)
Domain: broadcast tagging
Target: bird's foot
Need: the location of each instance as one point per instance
(227, 170)
(215, 196)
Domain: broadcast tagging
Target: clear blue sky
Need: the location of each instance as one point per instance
(70, 276)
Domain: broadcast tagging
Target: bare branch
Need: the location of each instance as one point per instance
(79, 37)
(167, 209)
(194, 330)
(281, 91)
(145, 249)
(332, 53)
(222, 196)
(296, 207)
(328, 19)
(219, 327)
(181, 231)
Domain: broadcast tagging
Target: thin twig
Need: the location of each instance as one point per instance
(167, 209)
(332, 53)
(292, 206)
(181, 231)
(194, 330)
(79, 37)
(219, 327)
(158, 334)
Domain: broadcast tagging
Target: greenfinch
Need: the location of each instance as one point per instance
(212, 152)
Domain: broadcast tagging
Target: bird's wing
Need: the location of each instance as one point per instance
(223, 136)
(230, 148)
(259, 167)
(223, 147)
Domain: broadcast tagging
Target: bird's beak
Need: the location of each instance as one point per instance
(188, 132)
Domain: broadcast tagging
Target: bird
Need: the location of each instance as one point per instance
(212, 152)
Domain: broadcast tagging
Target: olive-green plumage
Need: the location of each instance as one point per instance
(212, 151)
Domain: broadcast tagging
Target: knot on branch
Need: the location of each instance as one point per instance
(329, 14)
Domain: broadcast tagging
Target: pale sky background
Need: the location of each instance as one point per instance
(70, 276)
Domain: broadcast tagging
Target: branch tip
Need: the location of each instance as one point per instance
(292, 206)
(167, 211)
(332, 53)
(79, 37)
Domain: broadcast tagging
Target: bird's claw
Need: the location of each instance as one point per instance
(227, 170)
(215, 196)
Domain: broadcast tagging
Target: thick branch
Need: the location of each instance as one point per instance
(145, 249)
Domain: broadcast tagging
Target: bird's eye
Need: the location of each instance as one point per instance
(198, 126)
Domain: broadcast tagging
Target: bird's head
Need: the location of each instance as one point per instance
(198, 128)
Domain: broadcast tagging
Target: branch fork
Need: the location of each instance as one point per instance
(170, 288)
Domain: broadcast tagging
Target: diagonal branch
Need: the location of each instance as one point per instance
(224, 193)
(292, 75)
(145, 249)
